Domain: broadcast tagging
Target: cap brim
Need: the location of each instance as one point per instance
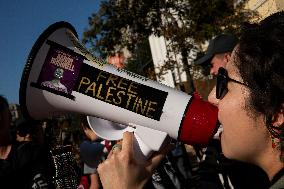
(204, 60)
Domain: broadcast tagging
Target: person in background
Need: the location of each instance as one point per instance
(216, 171)
(32, 156)
(92, 151)
(7, 149)
(19, 164)
(250, 90)
(218, 52)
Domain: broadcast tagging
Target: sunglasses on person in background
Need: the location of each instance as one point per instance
(222, 83)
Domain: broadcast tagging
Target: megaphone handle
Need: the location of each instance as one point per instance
(142, 150)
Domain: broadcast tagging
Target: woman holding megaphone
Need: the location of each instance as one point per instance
(251, 109)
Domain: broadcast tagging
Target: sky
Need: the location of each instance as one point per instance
(21, 23)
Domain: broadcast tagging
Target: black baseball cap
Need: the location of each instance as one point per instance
(220, 44)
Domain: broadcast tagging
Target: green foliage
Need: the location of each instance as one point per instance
(141, 60)
(213, 17)
(126, 22)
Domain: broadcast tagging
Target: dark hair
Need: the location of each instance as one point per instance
(3, 103)
(24, 128)
(5, 135)
(33, 128)
(260, 61)
(84, 122)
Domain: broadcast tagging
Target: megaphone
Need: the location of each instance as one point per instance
(61, 76)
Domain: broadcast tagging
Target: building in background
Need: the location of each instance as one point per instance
(265, 7)
(16, 114)
(159, 55)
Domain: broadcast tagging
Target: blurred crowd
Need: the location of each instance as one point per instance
(45, 154)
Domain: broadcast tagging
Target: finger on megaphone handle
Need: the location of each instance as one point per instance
(127, 143)
(157, 157)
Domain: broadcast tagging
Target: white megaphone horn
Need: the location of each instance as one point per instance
(146, 140)
(61, 76)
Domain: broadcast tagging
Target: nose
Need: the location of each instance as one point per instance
(213, 71)
(212, 97)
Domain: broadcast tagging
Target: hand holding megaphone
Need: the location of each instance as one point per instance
(61, 76)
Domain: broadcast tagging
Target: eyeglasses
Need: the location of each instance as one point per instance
(222, 83)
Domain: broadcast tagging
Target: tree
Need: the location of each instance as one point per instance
(184, 24)
(141, 61)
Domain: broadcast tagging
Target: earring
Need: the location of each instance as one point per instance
(281, 141)
(275, 143)
(275, 134)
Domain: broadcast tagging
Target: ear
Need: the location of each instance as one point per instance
(278, 118)
(227, 57)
